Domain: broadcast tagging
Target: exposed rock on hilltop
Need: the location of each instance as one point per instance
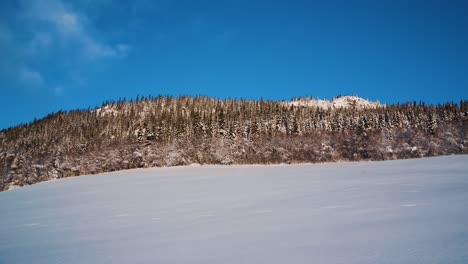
(168, 131)
(338, 102)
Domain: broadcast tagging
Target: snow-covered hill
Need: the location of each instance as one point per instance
(338, 102)
(407, 211)
(167, 131)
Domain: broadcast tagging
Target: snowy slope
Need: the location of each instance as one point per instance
(409, 211)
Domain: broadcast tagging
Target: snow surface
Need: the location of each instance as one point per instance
(408, 211)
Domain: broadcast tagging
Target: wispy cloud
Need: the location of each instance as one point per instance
(73, 28)
(31, 77)
(68, 23)
(39, 41)
(44, 43)
(58, 90)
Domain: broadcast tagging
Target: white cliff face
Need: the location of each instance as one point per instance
(339, 102)
(349, 101)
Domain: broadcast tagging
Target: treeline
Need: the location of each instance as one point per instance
(166, 131)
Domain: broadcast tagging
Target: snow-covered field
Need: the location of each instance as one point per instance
(408, 211)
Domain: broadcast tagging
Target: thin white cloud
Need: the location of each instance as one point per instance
(93, 49)
(73, 28)
(67, 22)
(58, 90)
(31, 77)
(123, 48)
(40, 41)
(57, 37)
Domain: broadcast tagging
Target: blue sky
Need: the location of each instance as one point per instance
(62, 55)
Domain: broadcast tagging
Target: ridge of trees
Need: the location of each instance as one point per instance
(167, 131)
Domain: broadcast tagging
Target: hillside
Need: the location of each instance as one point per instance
(168, 131)
(405, 211)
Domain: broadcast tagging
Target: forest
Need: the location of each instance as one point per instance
(171, 131)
